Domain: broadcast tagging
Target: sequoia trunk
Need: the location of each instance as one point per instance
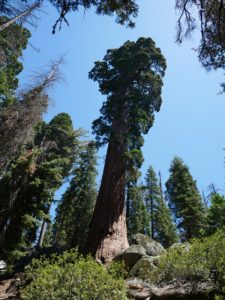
(108, 233)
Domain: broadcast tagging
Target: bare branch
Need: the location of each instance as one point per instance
(22, 15)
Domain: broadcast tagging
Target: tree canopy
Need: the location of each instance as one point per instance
(27, 188)
(13, 40)
(210, 20)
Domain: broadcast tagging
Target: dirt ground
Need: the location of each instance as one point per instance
(4, 285)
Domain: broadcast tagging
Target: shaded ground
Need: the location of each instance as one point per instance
(4, 286)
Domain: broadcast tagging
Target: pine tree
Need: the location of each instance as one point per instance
(185, 201)
(27, 189)
(131, 77)
(13, 40)
(76, 207)
(162, 227)
(216, 213)
(138, 218)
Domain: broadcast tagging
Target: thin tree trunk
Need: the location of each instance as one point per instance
(152, 217)
(160, 186)
(19, 16)
(128, 206)
(108, 233)
(42, 234)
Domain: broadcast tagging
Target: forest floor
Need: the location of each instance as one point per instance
(4, 286)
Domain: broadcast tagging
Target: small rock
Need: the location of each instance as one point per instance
(2, 265)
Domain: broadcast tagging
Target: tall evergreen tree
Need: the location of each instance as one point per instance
(216, 213)
(152, 197)
(184, 200)
(13, 40)
(76, 207)
(138, 218)
(17, 121)
(162, 227)
(27, 189)
(131, 77)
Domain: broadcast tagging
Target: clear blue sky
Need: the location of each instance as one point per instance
(191, 121)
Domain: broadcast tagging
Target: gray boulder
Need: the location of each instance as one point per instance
(131, 255)
(143, 268)
(151, 247)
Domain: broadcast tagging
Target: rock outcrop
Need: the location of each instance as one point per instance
(139, 289)
(143, 257)
(151, 247)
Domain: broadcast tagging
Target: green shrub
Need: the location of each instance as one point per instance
(204, 260)
(70, 276)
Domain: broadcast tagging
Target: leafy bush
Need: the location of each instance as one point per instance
(70, 277)
(203, 260)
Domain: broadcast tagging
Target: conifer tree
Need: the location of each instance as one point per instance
(138, 218)
(76, 206)
(161, 224)
(185, 201)
(17, 121)
(27, 189)
(131, 77)
(216, 213)
(13, 40)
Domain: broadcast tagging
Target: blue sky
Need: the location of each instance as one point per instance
(191, 121)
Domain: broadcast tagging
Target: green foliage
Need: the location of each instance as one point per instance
(70, 276)
(185, 201)
(124, 10)
(216, 213)
(162, 227)
(137, 216)
(17, 121)
(13, 40)
(203, 260)
(211, 15)
(27, 189)
(75, 209)
(134, 70)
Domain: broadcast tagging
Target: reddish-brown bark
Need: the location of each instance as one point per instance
(108, 233)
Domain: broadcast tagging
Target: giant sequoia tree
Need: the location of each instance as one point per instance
(131, 77)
